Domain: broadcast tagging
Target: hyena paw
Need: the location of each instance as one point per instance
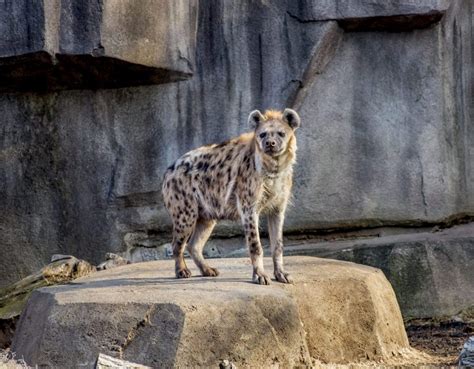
(210, 272)
(183, 273)
(261, 278)
(283, 277)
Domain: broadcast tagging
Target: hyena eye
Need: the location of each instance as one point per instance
(263, 134)
(281, 134)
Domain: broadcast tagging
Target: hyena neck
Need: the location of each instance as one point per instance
(272, 167)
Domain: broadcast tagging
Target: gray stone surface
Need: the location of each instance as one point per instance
(362, 15)
(95, 44)
(466, 358)
(22, 27)
(335, 312)
(431, 273)
(341, 9)
(386, 137)
(386, 134)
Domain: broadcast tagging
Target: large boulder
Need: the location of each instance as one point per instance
(335, 312)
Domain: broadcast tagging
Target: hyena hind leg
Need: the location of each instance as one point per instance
(181, 234)
(201, 234)
(250, 222)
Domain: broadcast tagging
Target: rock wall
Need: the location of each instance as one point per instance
(383, 89)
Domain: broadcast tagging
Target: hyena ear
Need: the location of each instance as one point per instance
(255, 118)
(292, 118)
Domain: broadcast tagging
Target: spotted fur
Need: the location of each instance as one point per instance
(236, 180)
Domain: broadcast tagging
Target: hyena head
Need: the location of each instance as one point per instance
(274, 130)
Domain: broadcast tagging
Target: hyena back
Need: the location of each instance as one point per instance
(239, 179)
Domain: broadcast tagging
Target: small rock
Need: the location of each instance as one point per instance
(169, 251)
(109, 362)
(466, 359)
(112, 261)
(65, 270)
(226, 364)
(435, 229)
(57, 257)
(140, 254)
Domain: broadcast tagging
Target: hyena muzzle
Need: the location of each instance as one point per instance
(239, 179)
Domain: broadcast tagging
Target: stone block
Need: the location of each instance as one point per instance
(91, 44)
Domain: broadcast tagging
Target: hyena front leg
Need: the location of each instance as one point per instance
(275, 233)
(250, 222)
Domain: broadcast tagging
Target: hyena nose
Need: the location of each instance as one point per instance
(270, 143)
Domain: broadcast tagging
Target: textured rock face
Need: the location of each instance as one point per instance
(385, 138)
(22, 37)
(336, 312)
(394, 156)
(94, 44)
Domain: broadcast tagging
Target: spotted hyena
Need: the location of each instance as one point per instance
(238, 179)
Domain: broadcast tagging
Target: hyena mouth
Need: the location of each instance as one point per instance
(273, 151)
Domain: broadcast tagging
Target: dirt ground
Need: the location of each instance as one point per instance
(443, 338)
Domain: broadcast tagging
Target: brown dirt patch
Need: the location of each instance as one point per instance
(443, 339)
